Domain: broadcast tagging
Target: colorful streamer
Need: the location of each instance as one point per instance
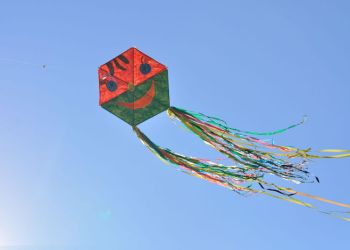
(236, 178)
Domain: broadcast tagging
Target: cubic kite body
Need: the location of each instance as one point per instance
(134, 87)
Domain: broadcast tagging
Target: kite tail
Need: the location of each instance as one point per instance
(244, 148)
(239, 179)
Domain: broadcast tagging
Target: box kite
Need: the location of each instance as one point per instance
(134, 87)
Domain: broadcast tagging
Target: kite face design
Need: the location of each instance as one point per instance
(134, 87)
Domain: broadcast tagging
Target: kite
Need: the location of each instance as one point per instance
(134, 87)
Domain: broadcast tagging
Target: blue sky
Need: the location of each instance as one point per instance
(73, 176)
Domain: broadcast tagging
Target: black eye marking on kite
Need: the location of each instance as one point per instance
(145, 68)
(111, 86)
(123, 59)
(118, 65)
(110, 68)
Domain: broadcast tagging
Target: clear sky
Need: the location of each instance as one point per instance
(73, 176)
